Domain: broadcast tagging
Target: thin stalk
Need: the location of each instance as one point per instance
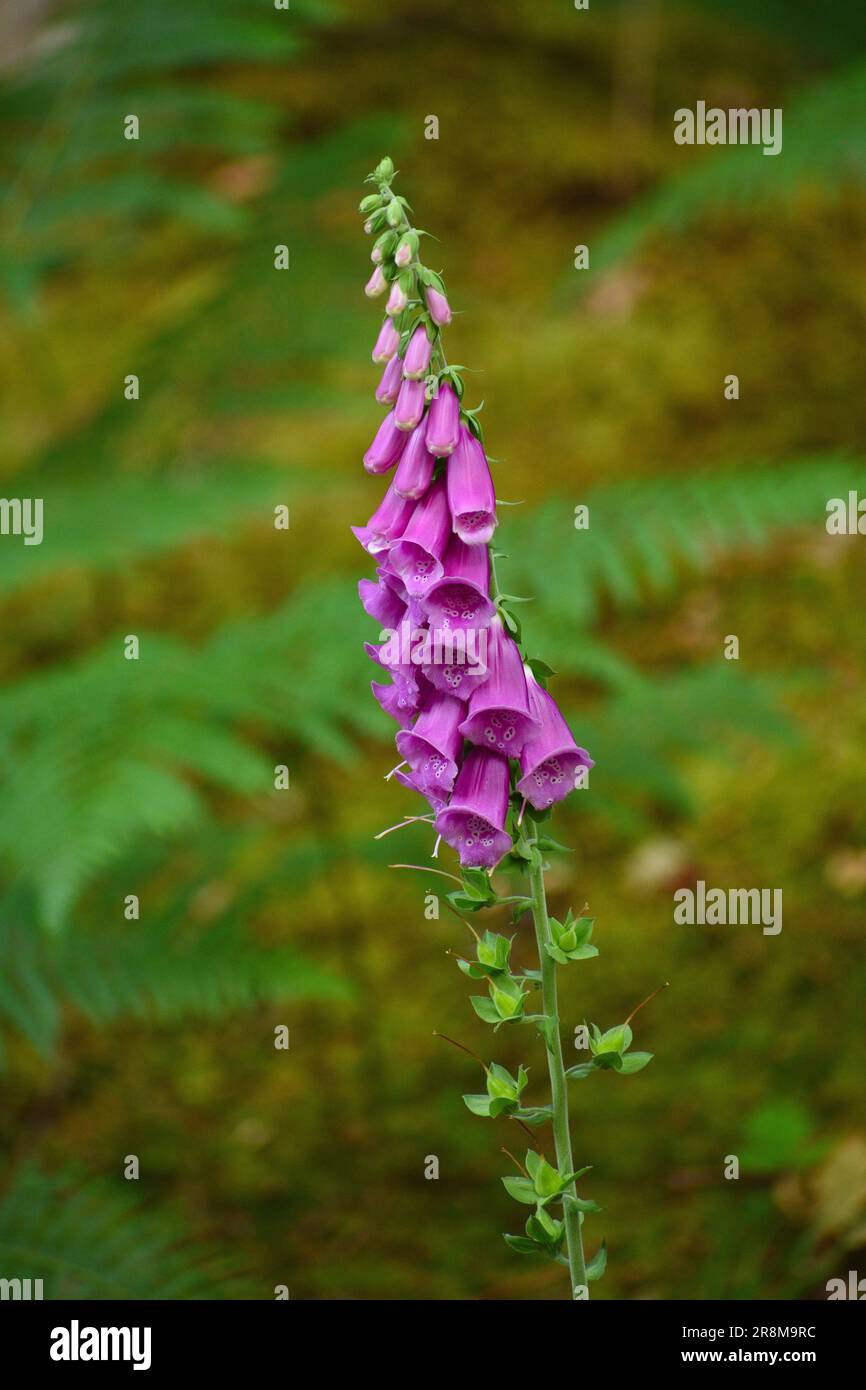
(558, 1081)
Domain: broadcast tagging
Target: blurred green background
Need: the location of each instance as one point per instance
(604, 386)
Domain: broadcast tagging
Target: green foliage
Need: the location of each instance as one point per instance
(92, 525)
(102, 752)
(157, 969)
(824, 146)
(643, 535)
(91, 1240)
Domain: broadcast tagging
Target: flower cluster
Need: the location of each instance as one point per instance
(479, 733)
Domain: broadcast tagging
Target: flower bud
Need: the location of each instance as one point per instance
(384, 170)
(376, 285)
(407, 250)
(387, 343)
(394, 212)
(440, 309)
(369, 204)
(443, 423)
(383, 247)
(386, 448)
(410, 405)
(417, 359)
(397, 299)
(415, 469)
(392, 378)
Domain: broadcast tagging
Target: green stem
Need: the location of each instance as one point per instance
(556, 1067)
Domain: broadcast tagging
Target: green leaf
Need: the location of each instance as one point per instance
(598, 1264)
(635, 1061)
(582, 1070)
(520, 1189)
(479, 1105)
(616, 1039)
(484, 1008)
(548, 1183)
(535, 1115)
(523, 1245)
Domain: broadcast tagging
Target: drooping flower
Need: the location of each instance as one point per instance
(389, 387)
(499, 713)
(438, 306)
(457, 672)
(381, 602)
(415, 469)
(414, 612)
(376, 285)
(387, 343)
(550, 758)
(471, 496)
(473, 822)
(395, 701)
(387, 447)
(460, 599)
(408, 779)
(417, 359)
(443, 422)
(417, 556)
(410, 405)
(433, 745)
(387, 523)
(410, 681)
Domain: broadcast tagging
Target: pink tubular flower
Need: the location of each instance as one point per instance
(550, 758)
(433, 745)
(387, 447)
(417, 359)
(473, 822)
(376, 285)
(471, 496)
(437, 801)
(410, 682)
(499, 713)
(417, 556)
(386, 344)
(415, 469)
(394, 701)
(381, 602)
(387, 523)
(389, 387)
(410, 405)
(438, 306)
(443, 422)
(460, 599)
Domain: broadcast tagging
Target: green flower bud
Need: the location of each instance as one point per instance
(384, 170)
(369, 204)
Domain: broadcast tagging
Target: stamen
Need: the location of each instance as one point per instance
(411, 821)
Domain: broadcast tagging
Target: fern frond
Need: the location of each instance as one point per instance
(824, 145)
(106, 524)
(94, 1240)
(640, 737)
(97, 754)
(155, 969)
(643, 533)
